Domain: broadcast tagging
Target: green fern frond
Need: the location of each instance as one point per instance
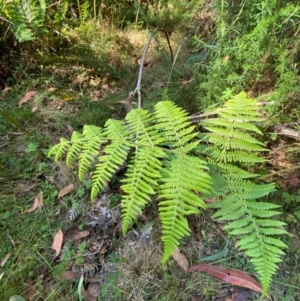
(140, 182)
(77, 141)
(60, 149)
(90, 150)
(27, 17)
(140, 123)
(252, 221)
(229, 137)
(175, 125)
(114, 155)
(182, 180)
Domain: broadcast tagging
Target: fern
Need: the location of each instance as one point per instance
(231, 147)
(184, 177)
(27, 17)
(165, 158)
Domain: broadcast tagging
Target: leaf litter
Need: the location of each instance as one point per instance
(66, 190)
(57, 242)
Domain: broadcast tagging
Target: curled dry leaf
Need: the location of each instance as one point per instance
(37, 203)
(29, 95)
(33, 207)
(66, 190)
(57, 242)
(181, 260)
(232, 276)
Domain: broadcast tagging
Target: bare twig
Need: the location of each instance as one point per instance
(173, 63)
(137, 90)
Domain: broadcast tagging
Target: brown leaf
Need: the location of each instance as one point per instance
(34, 205)
(70, 128)
(57, 242)
(66, 190)
(41, 200)
(29, 95)
(181, 260)
(70, 276)
(74, 234)
(232, 276)
(87, 296)
(57, 212)
(94, 289)
(34, 109)
(81, 234)
(4, 260)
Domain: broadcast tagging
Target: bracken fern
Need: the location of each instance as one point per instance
(165, 158)
(231, 148)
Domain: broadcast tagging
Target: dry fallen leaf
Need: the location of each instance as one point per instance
(70, 128)
(70, 276)
(29, 95)
(41, 200)
(87, 296)
(34, 205)
(181, 260)
(94, 289)
(66, 190)
(74, 234)
(4, 260)
(232, 276)
(34, 109)
(52, 89)
(57, 242)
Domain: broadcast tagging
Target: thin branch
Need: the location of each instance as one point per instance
(137, 90)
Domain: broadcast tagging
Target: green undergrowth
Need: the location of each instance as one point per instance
(83, 72)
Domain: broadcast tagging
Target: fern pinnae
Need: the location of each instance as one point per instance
(114, 155)
(90, 150)
(76, 147)
(108, 164)
(175, 124)
(178, 197)
(255, 229)
(60, 149)
(143, 168)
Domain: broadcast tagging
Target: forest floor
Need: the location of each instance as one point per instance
(42, 202)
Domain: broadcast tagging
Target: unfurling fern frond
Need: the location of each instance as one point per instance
(183, 181)
(231, 147)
